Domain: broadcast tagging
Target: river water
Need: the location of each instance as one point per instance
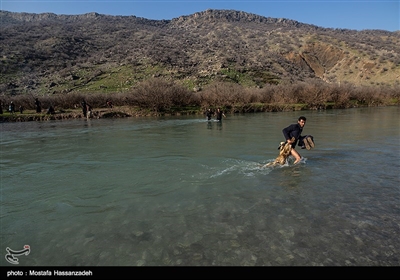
(181, 191)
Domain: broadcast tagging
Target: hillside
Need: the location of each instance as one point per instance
(49, 53)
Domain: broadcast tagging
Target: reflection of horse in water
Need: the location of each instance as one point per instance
(284, 152)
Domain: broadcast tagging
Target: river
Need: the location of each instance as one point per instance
(181, 191)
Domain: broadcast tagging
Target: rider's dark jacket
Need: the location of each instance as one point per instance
(293, 130)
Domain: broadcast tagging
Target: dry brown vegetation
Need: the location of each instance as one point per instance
(160, 96)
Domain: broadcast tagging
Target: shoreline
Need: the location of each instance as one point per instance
(127, 112)
(98, 113)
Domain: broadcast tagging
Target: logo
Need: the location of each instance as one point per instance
(10, 256)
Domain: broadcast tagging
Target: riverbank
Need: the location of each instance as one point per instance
(129, 111)
(98, 113)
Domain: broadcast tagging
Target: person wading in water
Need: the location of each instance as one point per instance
(295, 130)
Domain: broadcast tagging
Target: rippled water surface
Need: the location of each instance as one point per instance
(183, 191)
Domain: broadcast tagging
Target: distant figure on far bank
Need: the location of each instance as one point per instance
(11, 108)
(84, 107)
(220, 114)
(88, 111)
(109, 103)
(51, 110)
(1, 107)
(38, 105)
(21, 109)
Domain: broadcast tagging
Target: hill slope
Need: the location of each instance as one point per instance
(48, 53)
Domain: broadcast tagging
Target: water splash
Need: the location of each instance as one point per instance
(243, 167)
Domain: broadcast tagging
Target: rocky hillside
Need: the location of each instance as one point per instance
(49, 53)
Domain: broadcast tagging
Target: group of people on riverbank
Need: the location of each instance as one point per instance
(11, 108)
(38, 107)
(87, 109)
